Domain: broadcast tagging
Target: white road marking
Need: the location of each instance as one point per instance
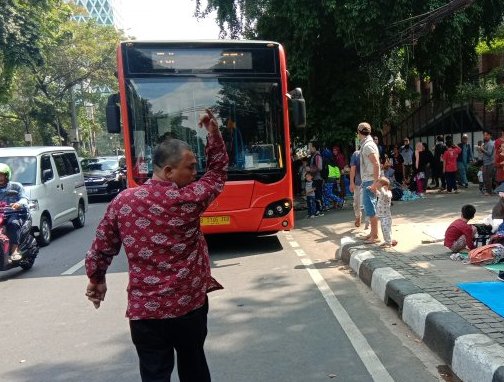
(294, 244)
(75, 268)
(367, 355)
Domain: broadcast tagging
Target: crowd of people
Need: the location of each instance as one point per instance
(375, 175)
(409, 168)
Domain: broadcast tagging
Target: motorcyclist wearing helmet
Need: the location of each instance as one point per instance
(13, 194)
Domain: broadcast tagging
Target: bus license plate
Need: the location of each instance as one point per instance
(215, 220)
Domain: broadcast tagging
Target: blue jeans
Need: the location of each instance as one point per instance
(462, 169)
(368, 199)
(312, 208)
(329, 193)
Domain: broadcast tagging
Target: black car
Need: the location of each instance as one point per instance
(105, 176)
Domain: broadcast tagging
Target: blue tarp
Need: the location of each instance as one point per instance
(489, 293)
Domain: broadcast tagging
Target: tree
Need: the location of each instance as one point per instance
(78, 59)
(358, 59)
(21, 25)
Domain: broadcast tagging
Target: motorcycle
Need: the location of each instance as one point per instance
(28, 247)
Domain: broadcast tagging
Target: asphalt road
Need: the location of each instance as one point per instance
(287, 313)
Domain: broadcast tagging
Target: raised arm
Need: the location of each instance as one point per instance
(206, 189)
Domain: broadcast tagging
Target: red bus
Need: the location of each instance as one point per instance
(163, 89)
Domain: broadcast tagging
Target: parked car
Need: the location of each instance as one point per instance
(54, 183)
(104, 176)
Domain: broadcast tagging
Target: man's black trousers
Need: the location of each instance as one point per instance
(156, 340)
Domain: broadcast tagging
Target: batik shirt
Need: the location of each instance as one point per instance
(159, 225)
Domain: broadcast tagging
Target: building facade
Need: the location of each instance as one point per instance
(106, 12)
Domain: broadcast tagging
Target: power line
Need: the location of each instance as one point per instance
(424, 24)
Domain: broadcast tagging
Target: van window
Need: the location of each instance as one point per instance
(60, 165)
(24, 169)
(45, 164)
(72, 162)
(66, 164)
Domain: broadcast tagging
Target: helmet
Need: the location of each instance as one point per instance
(5, 169)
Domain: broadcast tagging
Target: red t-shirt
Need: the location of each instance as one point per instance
(456, 229)
(158, 224)
(499, 168)
(450, 158)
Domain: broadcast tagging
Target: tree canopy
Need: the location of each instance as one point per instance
(21, 26)
(65, 75)
(359, 59)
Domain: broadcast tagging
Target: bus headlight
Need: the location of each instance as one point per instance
(278, 209)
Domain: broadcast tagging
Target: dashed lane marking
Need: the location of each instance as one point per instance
(75, 268)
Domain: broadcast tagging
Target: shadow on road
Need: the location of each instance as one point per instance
(240, 245)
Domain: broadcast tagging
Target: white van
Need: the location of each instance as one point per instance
(53, 180)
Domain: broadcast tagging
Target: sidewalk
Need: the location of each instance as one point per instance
(421, 281)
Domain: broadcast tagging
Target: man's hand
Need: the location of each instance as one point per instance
(208, 120)
(16, 206)
(352, 187)
(96, 293)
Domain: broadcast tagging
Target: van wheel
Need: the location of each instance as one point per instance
(79, 221)
(44, 237)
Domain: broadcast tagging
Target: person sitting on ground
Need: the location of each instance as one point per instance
(460, 234)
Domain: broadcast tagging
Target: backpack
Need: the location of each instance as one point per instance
(333, 172)
(486, 254)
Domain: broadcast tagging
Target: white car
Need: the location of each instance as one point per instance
(54, 183)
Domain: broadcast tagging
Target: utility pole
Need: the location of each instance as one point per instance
(75, 126)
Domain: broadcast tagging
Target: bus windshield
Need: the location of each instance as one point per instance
(249, 113)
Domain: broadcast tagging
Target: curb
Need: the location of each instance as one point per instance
(472, 355)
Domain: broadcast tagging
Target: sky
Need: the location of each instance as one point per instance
(166, 20)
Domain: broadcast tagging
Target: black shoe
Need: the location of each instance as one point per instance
(501, 276)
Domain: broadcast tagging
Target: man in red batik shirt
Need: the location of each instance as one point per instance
(169, 269)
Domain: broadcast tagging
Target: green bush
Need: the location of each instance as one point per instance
(472, 173)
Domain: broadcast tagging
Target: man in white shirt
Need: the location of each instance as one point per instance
(370, 172)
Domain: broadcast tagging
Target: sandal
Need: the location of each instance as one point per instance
(389, 245)
(357, 222)
(372, 240)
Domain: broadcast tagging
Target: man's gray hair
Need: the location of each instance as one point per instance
(169, 152)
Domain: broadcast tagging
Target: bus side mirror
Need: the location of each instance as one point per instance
(113, 114)
(297, 107)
